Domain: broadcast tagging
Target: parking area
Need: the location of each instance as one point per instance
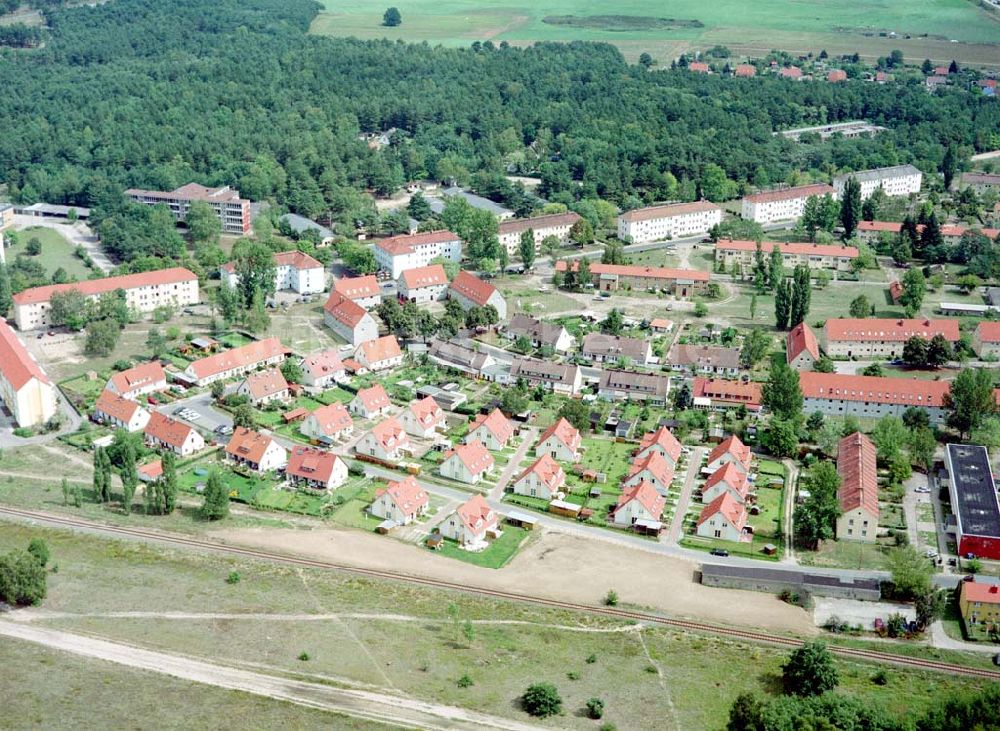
(200, 412)
(855, 612)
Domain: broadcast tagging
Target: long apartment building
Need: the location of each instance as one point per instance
(815, 256)
(26, 390)
(556, 224)
(899, 180)
(237, 361)
(951, 233)
(668, 222)
(786, 204)
(399, 253)
(858, 492)
(611, 277)
(293, 270)
(871, 397)
(973, 494)
(144, 292)
(233, 211)
(845, 337)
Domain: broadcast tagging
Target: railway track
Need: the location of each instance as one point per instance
(615, 612)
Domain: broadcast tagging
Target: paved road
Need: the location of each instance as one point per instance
(693, 470)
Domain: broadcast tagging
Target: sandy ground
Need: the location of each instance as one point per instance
(556, 566)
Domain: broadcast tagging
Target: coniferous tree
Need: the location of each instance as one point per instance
(801, 296)
(168, 483)
(782, 304)
(850, 207)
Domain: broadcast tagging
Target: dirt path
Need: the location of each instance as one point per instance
(380, 707)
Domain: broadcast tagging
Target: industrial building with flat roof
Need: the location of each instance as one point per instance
(974, 501)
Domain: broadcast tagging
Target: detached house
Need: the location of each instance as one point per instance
(663, 442)
(471, 523)
(801, 348)
(542, 479)
(162, 432)
(138, 380)
(986, 340)
(369, 403)
(561, 441)
(494, 430)
(323, 370)
(120, 413)
(467, 463)
(640, 505)
(423, 418)
(730, 450)
(386, 441)
(654, 469)
(858, 492)
(471, 291)
(256, 451)
(379, 354)
(724, 518)
(423, 284)
(540, 333)
(401, 502)
(264, 387)
(362, 291)
(601, 348)
(316, 469)
(726, 479)
(349, 320)
(328, 423)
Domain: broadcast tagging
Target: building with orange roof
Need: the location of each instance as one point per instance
(699, 67)
(986, 339)
(612, 277)
(323, 369)
(263, 387)
(162, 432)
(138, 380)
(29, 394)
(423, 418)
(379, 354)
(661, 440)
(739, 255)
(726, 479)
(715, 393)
(144, 292)
(150, 471)
(468, 463)
(654, 469)
(791, 72)
(232, 211)
(744, 71)
(871, 231)
(471, 291)
(236, 362)
(725, 518)
(315, 468)
(561, 441)
(979, 603)
(294, 271)
(858, 492)
(120, 413)
(836, 76)
(801, 347)
(401, 502)
(423, 284)
(399, 253)
(472, 523)
(661, 325)
(783, 204)
(677, 220)
(843, 337)
(328, 423)
(640, 502)
(871, 397)
(255, 451)
(542, 479)
(494, 430)
(387, 441)
(730, 450)
(553, 224)
(362, 291)
(349, 320)
(371, 402)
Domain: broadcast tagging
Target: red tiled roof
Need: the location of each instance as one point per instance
(427, 411)
(858, 479)
(731, 445)
(333, 418)
(249, 445)
(880, 226)
(551, 220)
(323, 363)
(727, 391)
(472, 288)
(151, 470)
(663, 438)
(476, 514)
(374, 397)
(140, 376)
(564, 432)
(192, 192)
(745, 70)
(655, 464)
(16, 363)
(380, 349)
(661, 323)
(673, 209)
(90, 287)
(115, 406)
(731, 475)
(974, 591)
(311, 464)
(801, 337)
(837, 75)
(948, 230)
(390, 434)
(646, 495)
(731, 509)
(699, 67)
(801, 191)
(356, 288)
(266, 383)
(791, 72)
(297, 260)
(874, 389)
(496, 423)
(407, 494)
(550, 473)
(167, 430)
(795, 249)
(344, 310)
(895, 291)
(626, 270)
(242, 357)
(988, 332)
(432, 275)
(473, 455)
(887, 329)
(396, 245)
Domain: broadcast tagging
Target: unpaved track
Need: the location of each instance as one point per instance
(403, 712)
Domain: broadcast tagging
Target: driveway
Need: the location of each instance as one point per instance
(694, 468)
(855, 612)
(71, 422)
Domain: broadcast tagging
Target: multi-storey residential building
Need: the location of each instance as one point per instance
(858, 492)
(880, 337)
(951, 233)
(611, 277)
(399, 253)
(602, 348)
(786, 204)
(801, 347)
(871, 397)
(668, 222)
(616, 385)
(734, 253)
(556, 224)
(558, 377)
(237, 361)
(233, 211)
(979, 603)
(973, 494)
(362, 291)
(349, 320)
(986, 340)
(423, 284)
(138, 380)
(26, 390)
(898, 180)
(980, 182)
(471, 291)
(144, 292)
(293, 270)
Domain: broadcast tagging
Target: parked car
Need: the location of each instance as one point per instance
(719, 552)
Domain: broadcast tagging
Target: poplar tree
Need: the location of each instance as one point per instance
(850, 207)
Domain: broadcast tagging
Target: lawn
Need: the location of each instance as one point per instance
(56, 252)
(500, 551)
(845, 554)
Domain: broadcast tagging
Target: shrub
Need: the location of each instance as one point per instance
(881, 677)
(541, 700)
(611, 598)
(464, 682)
(40, 550)
(608, 726)
(304, 656)
(595, 708)
(591, 659)
(573, 675)
(233, 578)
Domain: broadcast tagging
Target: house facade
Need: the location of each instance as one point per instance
(781, 205)
(380, 354)
(640, 502)
(858, 492)
(738, 255)
(120, 413)
(423, 284)
(401, 502)
(494, 430)
(471, 291)
(294, 271)
(232, 211)
(315, 469)
(397, 254)
(472, 523)
(986, 340)
(542, 479)
(423, 418)
(468, 463)
(237, 361)
(162, 432)
(617, 385)
(724, 518)
(26, 390)
(540, 333)
(255, 451)
(386, 441)
(370, 403)
(323, 370)
(677, 220)
(362, 291)
(328, 423)
(871, 397)
(880, 337)
(263, 387)
(598, 347)
(612, 277)
(561, 441)
(801, 348)
(704, 359)
(899, 180)
(138, 380)
(555, 224)
(349, 320)
(564, 378)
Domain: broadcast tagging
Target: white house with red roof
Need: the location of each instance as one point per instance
(293, 270)
(120, 413)
(726, 479)
(399, 253)
(263, 387)
(986, 339)
(844, 337)
(237, 361)
(640, 502)
(801, 347)
(541, 227)
(724, 518)
(387, 440)
(662, 441)
(162, 432)
(472, 523)
(362, 291)
(468, 463)
(652, 468)
(858, 492)
(255, 451)
(731, 449)
(348, 319)
(471, 291)
(315, 468)
(493, 429)
(560, 441)
(30, 396)
(328, 423)
(401, 502)
(323, 370)
(542, 479)
(676, 220)
(138, 380)
(784, 204)
(379, 354)
(423, 418)
(370, 403)
(423, 284)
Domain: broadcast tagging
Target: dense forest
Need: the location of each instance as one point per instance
(156, 94)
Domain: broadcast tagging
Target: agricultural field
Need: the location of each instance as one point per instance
(839, 26)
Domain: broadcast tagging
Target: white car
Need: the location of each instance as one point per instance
(931, 553)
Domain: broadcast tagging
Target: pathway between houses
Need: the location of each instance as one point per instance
(694, 467)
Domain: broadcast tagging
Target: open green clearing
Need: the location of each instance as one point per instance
(841, 26)
(366, 638)
(56, 252)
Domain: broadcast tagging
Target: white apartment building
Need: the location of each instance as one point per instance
(986, 340)
(423, 284)
(871, 397)
(363, 291)
(899, 180)
(144, 292)
(233, 211)
(293, 271)
(786, 204)
(556, 224)
(349, 320)
(668, 222)
(815, 256)
(399, 253)
(26, 390)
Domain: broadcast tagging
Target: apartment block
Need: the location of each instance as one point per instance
(786, 204)
(899, 180)
(556, 224)
(733, 253)
(677, 220)
(233, 211)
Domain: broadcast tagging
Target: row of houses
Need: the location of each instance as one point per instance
(612, 277)
(871, 231)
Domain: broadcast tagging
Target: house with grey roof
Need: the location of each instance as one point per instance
(476, 201)
(540, 332)
(301, 224)
(601, 348)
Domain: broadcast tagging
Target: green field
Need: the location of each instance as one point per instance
(56, 252)
(840, 26)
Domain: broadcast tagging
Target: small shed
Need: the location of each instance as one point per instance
(585, 514)
(295, 415)
(385, 526)
(566, 509)
(647, 527)
(435, 541)
(205, 344)
(521, 520)
(770, 549)
(595, 491)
